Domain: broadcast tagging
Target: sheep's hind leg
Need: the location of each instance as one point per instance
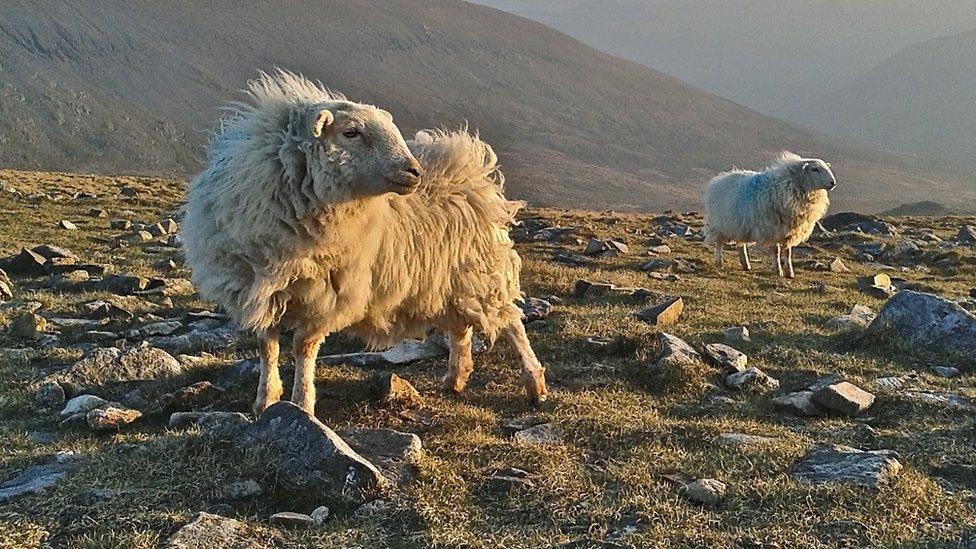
(306, 350)
(788, 260)
(269, 386)
(459, 363)
(744, 257)
(533, 374)
(774, 253)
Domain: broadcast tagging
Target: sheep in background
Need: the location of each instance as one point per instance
(776, 208)
(313, 214)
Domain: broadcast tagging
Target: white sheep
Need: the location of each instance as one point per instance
(313, 214)
(776, 208)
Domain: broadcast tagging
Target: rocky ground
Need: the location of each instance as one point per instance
(689, 406)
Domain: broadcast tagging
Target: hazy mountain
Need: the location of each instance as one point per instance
(921, 100)
(134, 86)
(776, 56)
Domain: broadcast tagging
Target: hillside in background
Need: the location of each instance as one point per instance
(134, 86)
(775, 56)
(921, 100)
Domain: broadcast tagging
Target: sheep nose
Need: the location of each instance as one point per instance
(413, 168)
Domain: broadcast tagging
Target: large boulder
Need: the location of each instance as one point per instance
(928, 321)
(313, 459)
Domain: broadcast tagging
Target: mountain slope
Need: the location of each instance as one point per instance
(920, 100)
(767, 54)
(134, 86)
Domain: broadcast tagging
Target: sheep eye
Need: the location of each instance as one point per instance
(351, 133)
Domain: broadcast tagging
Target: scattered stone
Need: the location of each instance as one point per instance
(128, 191)
(26, 263)
(844, 397)
(833, 464)
(706, 491)
(27, 326)
(240, 489)
(97, 213)
(320, 515)
(404, 352)
(570, 259)
(585, 287)
(120, 284)
(667, 266)
(947, 400)
(534, 309)
(741, 439)
(605, 248)
(67, 225)
(394, 391)
(217, 532)
(49, 395)
(510, 477)
(799, 402)
(966, 234)
(120, 224)
(662, 249)
(164, 328)
(103, 309)
(544, 433)
(82, 404)
(859, 317)
(202, 340)
(851, 221)
(928, 321)
(34, 479)
(392, 452)
(728, 358)
(293, 520)
(675, 351)
(945, 371)
(879, 285)
(750, 377)
(837, 266)
(736, 334)
(6, 287)
(664, 313)
(109, 364)
(111, 418)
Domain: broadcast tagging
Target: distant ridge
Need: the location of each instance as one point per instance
(132, 87)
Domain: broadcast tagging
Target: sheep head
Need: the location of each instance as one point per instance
(815, 175)
(349, 150)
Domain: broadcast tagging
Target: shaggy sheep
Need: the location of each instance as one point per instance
(313, 214)
(776, 208)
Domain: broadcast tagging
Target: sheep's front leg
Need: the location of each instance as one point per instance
(744, 257)
(788, 260)
(306, 350)
(460, 364)
(269, 386)
(718, 254)
(533, 374)
(774, 252)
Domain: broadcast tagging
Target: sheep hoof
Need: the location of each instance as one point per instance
(452, 385)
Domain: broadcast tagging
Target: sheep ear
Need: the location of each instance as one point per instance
(322, 119)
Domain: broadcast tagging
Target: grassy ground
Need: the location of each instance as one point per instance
(619, 434)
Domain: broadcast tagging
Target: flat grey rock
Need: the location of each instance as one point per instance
(33, 479)
(392, 452)
(842, 465)
(742, 439)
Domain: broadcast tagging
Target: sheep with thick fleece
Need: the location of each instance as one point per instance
(776, 208)
(314, 215)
